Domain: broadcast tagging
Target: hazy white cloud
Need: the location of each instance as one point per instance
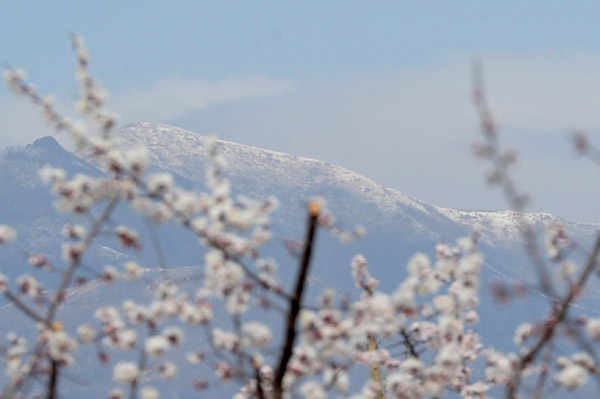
(174, 97)
(547, 91)
(167, 99)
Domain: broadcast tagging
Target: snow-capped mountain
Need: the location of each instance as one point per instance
(262, 172)
(397, 225)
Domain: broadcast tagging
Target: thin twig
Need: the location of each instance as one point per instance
(500, 165)
(141, 364)
(66, 280)
(23, 307)
(532, 353)
(408, 344)
(162, 259)
(259, 389)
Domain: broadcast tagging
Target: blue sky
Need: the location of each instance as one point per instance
(381, 88)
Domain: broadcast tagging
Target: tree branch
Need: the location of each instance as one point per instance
(296, 300)
(410, 348)
(23, 307)
(530, 355)
(67, 277)
(52, 381)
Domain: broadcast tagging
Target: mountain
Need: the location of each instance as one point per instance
(354, 199)
(397, 226)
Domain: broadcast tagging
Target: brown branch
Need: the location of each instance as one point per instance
(23, 307)
(409, 345)
(372, 346)
(539, 387)
(296, 300)
(53, 380)
(239, 354)
(516, 201)
(141, 367)
(374, 370)
(67, 277)
(576, 289)
(64, 284)
(259, 389)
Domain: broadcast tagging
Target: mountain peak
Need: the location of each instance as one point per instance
(48, 143)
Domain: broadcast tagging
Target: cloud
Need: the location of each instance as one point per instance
(174, 97)
(546, 91)
(165, 100)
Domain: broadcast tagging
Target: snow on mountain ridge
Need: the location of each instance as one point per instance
(176, 149)
(503, 225)
(184, 152)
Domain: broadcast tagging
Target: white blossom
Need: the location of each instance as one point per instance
(133, 270)
(583, 359)
(125, 373)
(159, 183)
(224, 340)
(109, 274)
(195, 357)
(61, 347)
(313, 390)
(149, 393)
(73, 231)
(86, 333)
(338, 379)
(137, 161)
(30, 286)
(572, 376)
(593, 328)
(7, 234)
(256, 334)
(116, 394)
(499, 368)
(412, 366)
(566, 269)
(418, 264)
(523, 332)
(168, 370)
(156, 345)
(224, 371)
(126, 339)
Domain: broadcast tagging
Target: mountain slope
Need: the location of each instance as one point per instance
(397, 227)
(261, 172)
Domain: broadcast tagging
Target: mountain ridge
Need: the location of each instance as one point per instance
(490, 224)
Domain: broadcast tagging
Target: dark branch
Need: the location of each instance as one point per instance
(410, 348)
(23, 307)
(576, 289)
(53, 380)
(67, 277)
(296, 301)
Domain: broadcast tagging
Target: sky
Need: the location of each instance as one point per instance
(381, 88)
